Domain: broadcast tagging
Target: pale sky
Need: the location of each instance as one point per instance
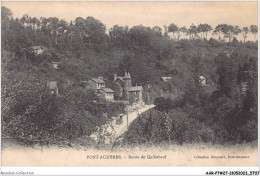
(145, 13)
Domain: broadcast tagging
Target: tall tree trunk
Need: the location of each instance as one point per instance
(244, 38)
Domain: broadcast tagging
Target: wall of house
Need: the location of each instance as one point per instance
(135, 96)
(103, 95)
(120, 86)
(95, 86)
(128, 83)
(107, 96)
(38, 51)
(99, 86)
(110, 96)
(140, 96)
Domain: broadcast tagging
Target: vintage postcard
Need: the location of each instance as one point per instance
(129, 83)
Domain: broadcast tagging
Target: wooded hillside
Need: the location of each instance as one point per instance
(84, 49)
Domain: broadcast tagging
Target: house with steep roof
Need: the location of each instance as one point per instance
(135, 94)
(123, 83)
(126, 90)
(119, 82)
(107, 94)
(96, 84)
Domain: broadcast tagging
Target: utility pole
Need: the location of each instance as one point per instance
(127, 120)
(148, 98)
(126, 109)
(168, 125)
(148, 85)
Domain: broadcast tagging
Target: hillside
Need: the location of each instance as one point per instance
(83, 50)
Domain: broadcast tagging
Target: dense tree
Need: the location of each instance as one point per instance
(254, 30)
(174, 29)
(217, 31)
(157, 29)
(165, 34)
(95, 30)
(6, 13)
(140, 35)
(207, 28)
(35, 23)
(204, 29)
(6, 16)
(193, 31)
(237, 30)
(226, 30)
(184, 31)
(119, 35)
(245, 31)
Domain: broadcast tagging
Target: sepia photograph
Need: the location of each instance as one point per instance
(129, 83)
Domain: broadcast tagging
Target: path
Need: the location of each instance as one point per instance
(120, 129)
(109, 132)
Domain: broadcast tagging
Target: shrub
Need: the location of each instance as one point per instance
(176, 126)
(249, 131)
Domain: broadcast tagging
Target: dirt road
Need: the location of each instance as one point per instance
(120, 129)
(109, 132)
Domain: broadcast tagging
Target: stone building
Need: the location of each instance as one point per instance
(96, 84)
(107, 94)
(133, 94)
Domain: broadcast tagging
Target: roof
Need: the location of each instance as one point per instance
(97, 80)
(52, 84)
(38, 47)
(202, 77)
(136, 88)
(120, 78)
(166, 78)
(127, 75)
(108, 90)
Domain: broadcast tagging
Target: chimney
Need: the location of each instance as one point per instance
(115, 77)
(101, 78)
